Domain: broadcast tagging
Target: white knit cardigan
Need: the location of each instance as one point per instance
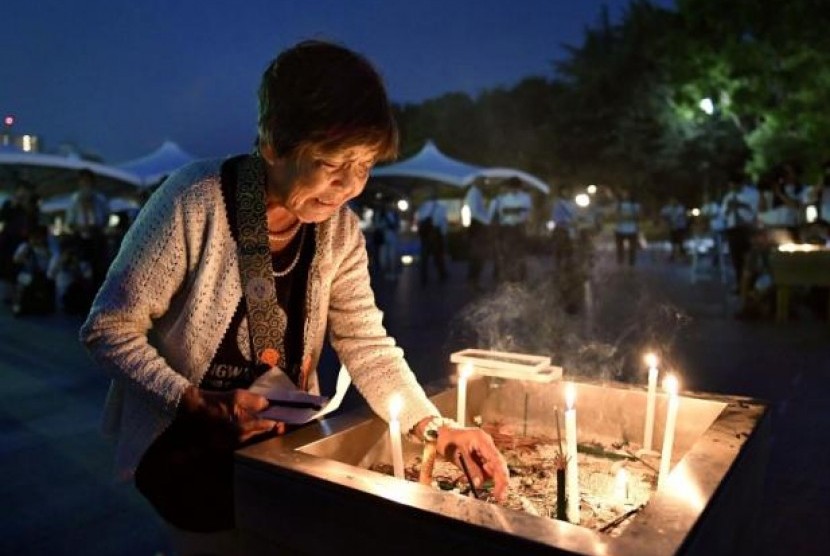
(169, 296)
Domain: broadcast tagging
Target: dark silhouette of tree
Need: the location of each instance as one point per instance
(624, 108)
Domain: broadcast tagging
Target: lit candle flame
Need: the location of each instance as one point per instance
(466, 370)
(570, 395)
(395, 405)
(671, 385)
(651, 359)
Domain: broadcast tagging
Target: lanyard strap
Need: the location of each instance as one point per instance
(266, 320)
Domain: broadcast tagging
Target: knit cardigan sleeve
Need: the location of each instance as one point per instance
(376, 364)
(144, 277)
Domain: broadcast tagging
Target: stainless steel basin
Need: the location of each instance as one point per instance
(311, 492)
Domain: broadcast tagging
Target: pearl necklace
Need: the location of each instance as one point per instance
(279, 237)
(289, 268)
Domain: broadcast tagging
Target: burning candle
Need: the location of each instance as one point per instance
(651, 400)
(572, 470)
(671, 387)
(621, 485)
(395, 435)
(464, 373)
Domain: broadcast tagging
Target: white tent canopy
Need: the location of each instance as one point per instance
(54, 174)
(429, 164)
(505, 173)
(152, 167)
(60, 203)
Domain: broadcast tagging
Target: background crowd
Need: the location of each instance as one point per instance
(53, 263)
(729, 231)
(50, 263)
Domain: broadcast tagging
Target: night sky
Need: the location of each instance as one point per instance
(118, 78)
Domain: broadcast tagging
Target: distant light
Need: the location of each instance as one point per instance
(407, 260)
(798, 247)
(466, 216)
(592, 189)
(366, 217)
(403, 205)
(811, 214)
(114, 220)
(582, 200)
(707, 106)
(27, 143)
(9, 120)
(550, 225)
(57, 226)
(695, 212)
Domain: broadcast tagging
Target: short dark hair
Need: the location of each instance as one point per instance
(321, 97)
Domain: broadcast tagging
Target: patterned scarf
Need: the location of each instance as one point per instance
(266, 319)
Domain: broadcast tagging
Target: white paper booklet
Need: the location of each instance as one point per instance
(291, 405)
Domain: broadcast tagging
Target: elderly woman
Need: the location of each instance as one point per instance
(236, 267)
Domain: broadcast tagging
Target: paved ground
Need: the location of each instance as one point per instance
(57, 493)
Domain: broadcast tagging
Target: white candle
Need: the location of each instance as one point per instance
(668, 436)
(572, 470)
(621, 485)
(395, 435)
(651, 400)
(464, 373)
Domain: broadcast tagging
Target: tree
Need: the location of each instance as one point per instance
(766, 64)
(625, 107)
(615, 118)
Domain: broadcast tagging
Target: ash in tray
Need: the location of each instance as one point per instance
(607, 503)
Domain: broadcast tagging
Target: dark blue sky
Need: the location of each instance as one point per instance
(119, 77)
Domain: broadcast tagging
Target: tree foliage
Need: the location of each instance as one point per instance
(624, 107)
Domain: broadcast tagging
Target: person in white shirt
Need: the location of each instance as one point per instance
(674, 214)
(88, 210)
(511, 211)
(35, 292)
(787, 199)
(72, 276)
(711, 209)
(817, 210)
(815, 200)
(627, 228)
(87, 217)
(477, 233)
(822, 195)
(385, 225)
(740, 211)
(431, 217)
(563, 215)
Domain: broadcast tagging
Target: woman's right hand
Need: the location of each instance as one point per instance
(235, 409)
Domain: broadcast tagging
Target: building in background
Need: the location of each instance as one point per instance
(25, 142)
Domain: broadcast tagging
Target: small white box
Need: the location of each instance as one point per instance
(504, 364)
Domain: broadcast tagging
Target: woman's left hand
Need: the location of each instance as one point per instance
(483, 459)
